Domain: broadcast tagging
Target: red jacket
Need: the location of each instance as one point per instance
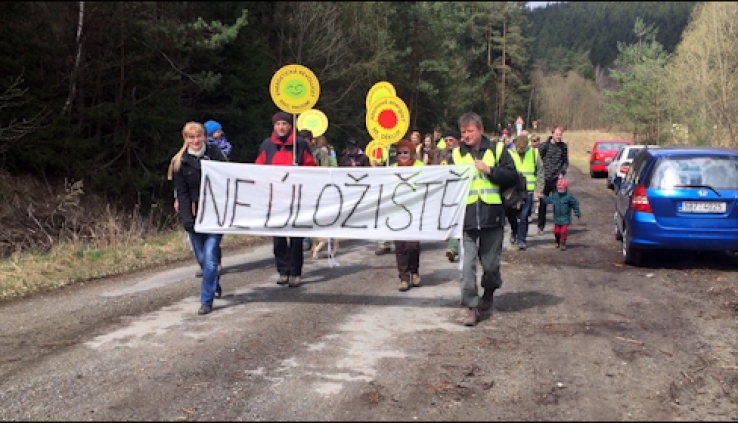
(275, 152)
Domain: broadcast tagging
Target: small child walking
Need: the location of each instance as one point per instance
(563, 205)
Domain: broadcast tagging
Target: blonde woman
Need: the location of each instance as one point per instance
(186, 171)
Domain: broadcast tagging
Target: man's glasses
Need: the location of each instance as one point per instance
(403, 152)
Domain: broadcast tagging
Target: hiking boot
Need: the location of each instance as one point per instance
(450, 255)
(205, 309)
(382, 250)
(283, 279)
(563, 246)
(522, 246)
(295, 281)
(486, 302)
(404, 286)
(513, 237)
(540, 231)
(220, 269)
(416, 279)
(218, 291)
(471, 317)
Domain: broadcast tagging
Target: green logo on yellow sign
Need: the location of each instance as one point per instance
(314, 120)
(294, 89)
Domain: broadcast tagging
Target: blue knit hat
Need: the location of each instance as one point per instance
(211, 126)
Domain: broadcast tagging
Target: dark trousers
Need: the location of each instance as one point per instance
(547, 190)
(512, 219)
(407, 254)
(288, 255)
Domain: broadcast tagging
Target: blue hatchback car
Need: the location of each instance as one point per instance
(681, 198)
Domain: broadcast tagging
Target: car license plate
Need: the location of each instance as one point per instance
(702, 207)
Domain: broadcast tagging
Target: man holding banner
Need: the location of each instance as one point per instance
(282, 149)
(484, 218)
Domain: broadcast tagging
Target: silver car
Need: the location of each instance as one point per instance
(617, 169)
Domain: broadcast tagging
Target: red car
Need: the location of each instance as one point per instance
(602, 153)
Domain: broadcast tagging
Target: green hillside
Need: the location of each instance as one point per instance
(596, 27)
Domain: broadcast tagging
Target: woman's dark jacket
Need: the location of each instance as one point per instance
(187, 182)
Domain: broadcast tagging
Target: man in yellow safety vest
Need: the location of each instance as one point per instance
(484, 218)
(528, 162)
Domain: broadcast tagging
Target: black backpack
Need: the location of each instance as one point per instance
(514, 195)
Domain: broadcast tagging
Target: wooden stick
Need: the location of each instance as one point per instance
(632, 341)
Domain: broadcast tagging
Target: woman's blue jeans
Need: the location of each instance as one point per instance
(206, 248)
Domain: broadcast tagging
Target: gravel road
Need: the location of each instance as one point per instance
(574, 335)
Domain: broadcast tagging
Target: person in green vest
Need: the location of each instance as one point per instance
(484, 218)
(528, 161)
(407, 253)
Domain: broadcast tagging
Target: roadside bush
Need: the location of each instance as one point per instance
(35, 217)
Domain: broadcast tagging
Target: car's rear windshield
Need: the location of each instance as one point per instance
(606, 146)
(718, 172)
(632, 152)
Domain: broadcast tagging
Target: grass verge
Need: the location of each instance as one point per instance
(31, 272)
(581, 141)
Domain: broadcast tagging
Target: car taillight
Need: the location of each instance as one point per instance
(624, 169)
(640, 200)
(598, 156)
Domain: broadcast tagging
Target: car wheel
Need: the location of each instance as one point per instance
(631, 255)
(618, 235)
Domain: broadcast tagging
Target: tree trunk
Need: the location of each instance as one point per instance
(75, 70)
(504, 59)
(416, 76)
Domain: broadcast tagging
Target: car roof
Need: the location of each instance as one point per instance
(642, 146)
(599, 141)
(692, 150)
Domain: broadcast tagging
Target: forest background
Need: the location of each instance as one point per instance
(93, 95)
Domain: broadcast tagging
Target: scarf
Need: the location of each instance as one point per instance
(197, 154)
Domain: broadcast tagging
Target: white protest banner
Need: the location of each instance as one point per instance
(393, 203)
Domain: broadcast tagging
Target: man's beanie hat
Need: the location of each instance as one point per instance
(452, 133)
(283, 117)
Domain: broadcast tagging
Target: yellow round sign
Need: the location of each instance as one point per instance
(314, 120)
(388, 119)
(294, 89)
(377, 150)
(379, 90)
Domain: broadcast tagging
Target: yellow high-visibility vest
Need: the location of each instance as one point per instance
(481, 187)
(527, 167)
(441, 143)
